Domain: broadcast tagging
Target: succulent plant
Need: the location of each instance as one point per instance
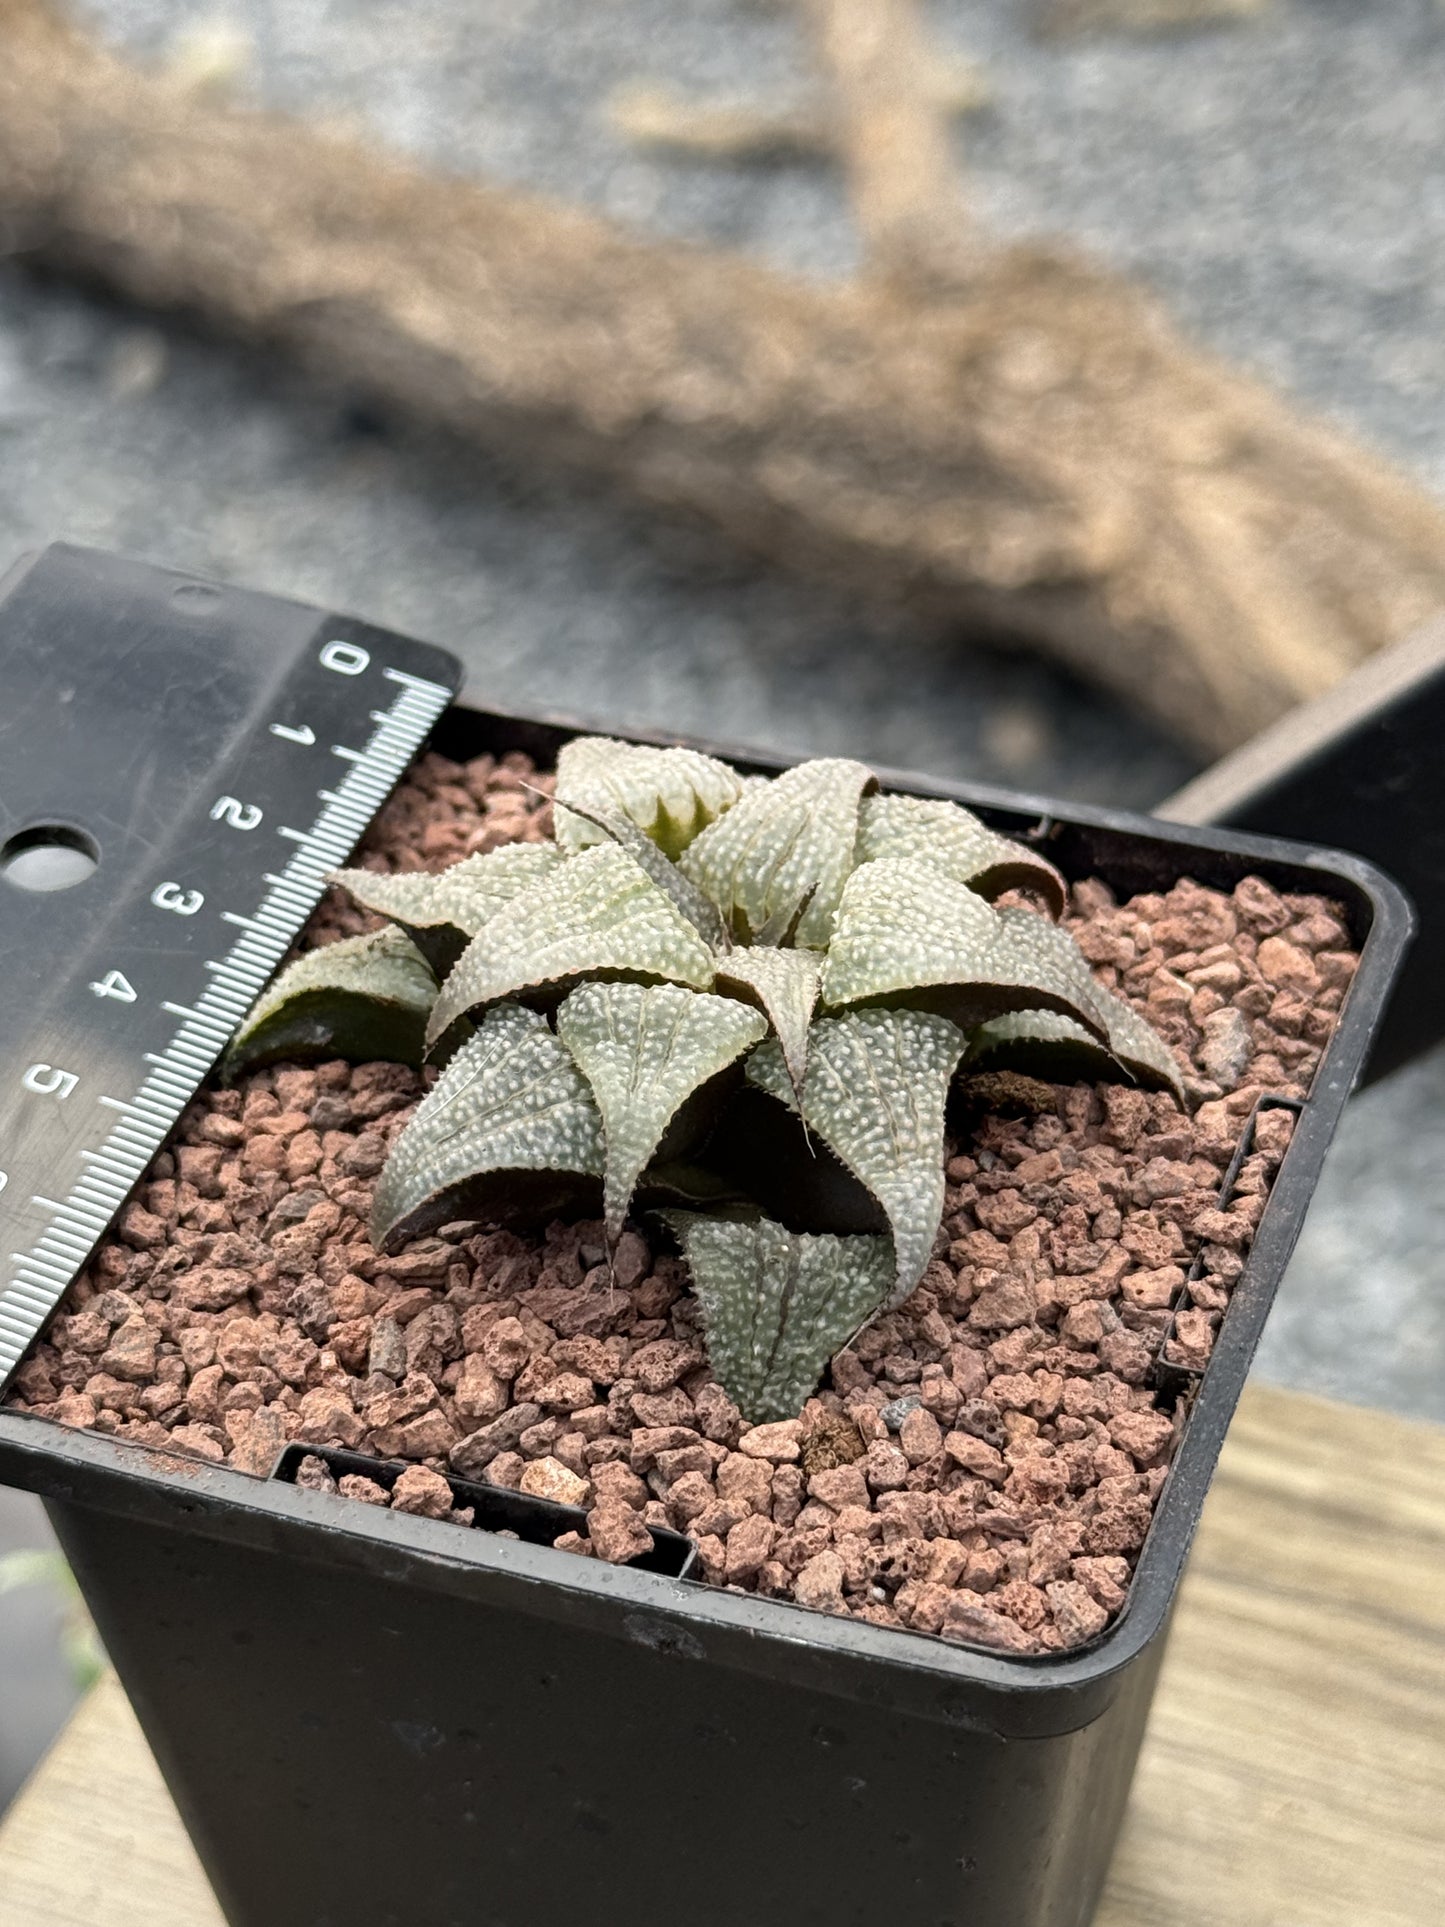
(737, 1003)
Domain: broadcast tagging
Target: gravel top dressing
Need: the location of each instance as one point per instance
(981, 1463)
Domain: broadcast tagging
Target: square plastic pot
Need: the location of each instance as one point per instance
(374, 1720)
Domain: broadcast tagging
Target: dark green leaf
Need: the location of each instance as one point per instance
(364, 998)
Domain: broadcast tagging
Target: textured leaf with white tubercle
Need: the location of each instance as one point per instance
(778, 1304)
(907, 934)
(875, 1093)
(670, 794)
(598, 914)
(785, 846)
(509, 1132)
(701, 913)
(644, 1051)
(363, 998)
(442, 912)
(1044, 1044)
(783, 983)
(953, 840)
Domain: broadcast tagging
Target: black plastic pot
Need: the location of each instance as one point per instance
(368, 1718)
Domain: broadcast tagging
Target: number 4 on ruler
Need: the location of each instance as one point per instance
(112, 984)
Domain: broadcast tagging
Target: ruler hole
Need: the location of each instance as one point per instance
(51, 856)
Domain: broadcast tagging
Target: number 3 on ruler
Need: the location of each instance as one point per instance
(170, 896)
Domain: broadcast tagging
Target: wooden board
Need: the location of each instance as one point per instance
(1294, 1773)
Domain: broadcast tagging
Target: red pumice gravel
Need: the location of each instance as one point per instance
(982, 1463)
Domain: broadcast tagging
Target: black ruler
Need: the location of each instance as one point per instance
(180, 765)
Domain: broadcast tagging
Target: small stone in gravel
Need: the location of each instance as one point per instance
(897, 1409)
(314, 1475)
(549, 1479)
(820, 1583)
(1227, 1048)
(779, 1443)
(353, 1486)
(617, 1532)
(423, 1492)
(834, 1441)
(131, 1353)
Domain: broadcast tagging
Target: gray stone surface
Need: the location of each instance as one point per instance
(1282, 184)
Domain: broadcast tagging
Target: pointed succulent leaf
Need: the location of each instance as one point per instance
(778, 1304)
(705, 917)
(1042, 1043)
(645, 1051)
(670, 794)
(785, 846)
(952, 839)
(596, 915)
(508, 1132)
(907, 934)
(875, 1094)
(784, 983)
(1139, 1047)
(363, 998)
(442, 912)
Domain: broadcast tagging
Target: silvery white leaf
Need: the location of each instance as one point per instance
(784, 983)
(645, 1051)
(778, 1304)
(703, 915)
(952, 839)
(670, 794)
(907, 934)
(597, 914)
(785, 846)
(875, 1093)
(442, 912)
(508, 1132)
(363, 998)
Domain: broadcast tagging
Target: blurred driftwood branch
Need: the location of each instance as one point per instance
(1040, 453)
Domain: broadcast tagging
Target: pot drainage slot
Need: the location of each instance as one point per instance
(494, 1508)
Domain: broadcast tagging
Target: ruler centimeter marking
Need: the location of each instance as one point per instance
(39, 1278)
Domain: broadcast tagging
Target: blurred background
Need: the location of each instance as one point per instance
(1277, 175)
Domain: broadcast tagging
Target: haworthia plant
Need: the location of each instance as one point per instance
(693, 946)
